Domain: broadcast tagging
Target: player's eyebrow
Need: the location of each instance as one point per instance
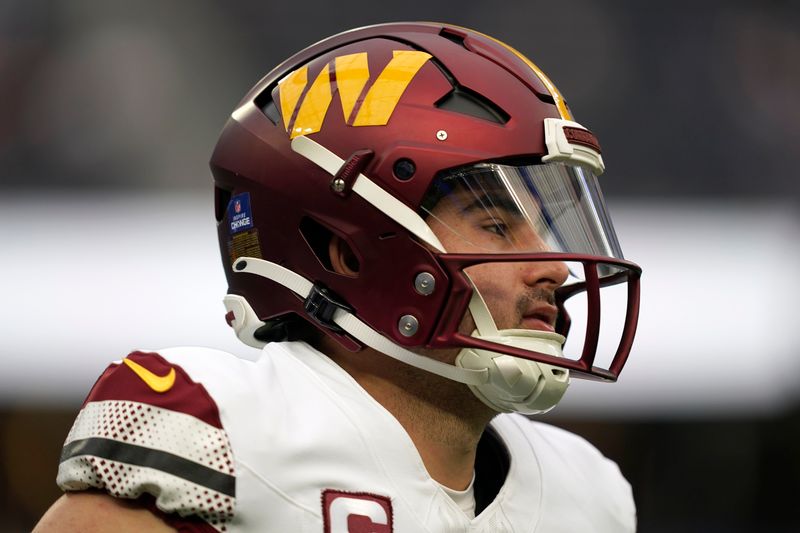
(493, 201)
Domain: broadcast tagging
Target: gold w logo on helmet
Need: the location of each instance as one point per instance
(352, 75)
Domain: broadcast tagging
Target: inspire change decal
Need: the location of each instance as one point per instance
(239, 213)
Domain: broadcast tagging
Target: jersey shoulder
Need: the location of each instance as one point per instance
(148, 430)
(573, 469)
(579, 450)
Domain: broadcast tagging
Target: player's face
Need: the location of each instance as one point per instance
(519, 295)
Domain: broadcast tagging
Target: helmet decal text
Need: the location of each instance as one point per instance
(351, 74)
(243, 241)
(240, 215)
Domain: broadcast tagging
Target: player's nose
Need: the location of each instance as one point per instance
(545, 273)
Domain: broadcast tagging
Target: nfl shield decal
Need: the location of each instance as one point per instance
(240, 216)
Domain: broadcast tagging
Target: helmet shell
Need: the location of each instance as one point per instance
(502, 102)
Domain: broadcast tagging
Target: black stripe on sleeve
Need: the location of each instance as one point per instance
(168, 463)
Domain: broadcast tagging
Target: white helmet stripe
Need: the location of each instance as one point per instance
(369, 191)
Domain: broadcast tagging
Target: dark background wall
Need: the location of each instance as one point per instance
(700, 97)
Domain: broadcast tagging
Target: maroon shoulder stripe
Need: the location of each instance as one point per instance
(120, 382)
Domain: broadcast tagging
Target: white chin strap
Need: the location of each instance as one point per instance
(515, 384)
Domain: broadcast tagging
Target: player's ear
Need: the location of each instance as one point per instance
(343, 260)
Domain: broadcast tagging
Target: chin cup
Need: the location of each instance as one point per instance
(516, 384)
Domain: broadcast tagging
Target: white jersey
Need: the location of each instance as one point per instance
(291, 442)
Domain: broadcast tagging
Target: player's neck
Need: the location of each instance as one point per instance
(443, 418)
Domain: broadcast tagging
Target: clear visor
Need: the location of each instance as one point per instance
(494, 209)
(536, 244)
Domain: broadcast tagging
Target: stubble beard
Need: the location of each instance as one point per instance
(450, 400)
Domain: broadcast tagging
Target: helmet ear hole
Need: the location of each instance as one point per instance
(332, 251)
(343, 260)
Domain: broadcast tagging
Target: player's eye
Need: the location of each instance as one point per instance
(498, 227)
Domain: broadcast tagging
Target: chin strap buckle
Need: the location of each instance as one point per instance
(321, 304)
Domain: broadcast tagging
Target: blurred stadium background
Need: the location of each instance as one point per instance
(109, 112)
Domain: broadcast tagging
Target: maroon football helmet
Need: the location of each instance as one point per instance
(432, 154)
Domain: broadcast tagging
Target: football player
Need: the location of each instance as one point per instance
(403, 211)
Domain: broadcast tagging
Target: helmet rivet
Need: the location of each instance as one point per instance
(337, 185)
(408, 325)
(424, 283)
(441, 135)
(241, 265)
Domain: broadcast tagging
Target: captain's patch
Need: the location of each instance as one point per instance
(356, 512)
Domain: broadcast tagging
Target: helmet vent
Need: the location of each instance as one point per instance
(318, 237)
(448, 34)
(267, 106)
(222, 198)
(466, 102)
